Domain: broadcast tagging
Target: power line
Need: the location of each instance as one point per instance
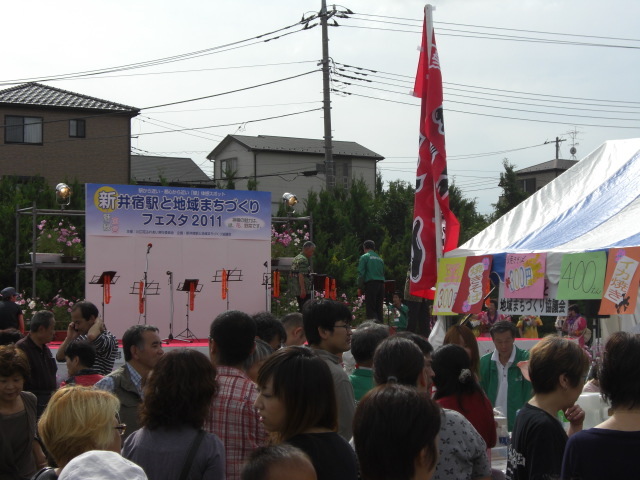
(181, 129)
(554, 122)
(504, 28)
(194, 70)
(230, 91)
(161, 61)
(492, 36)
(494, 89)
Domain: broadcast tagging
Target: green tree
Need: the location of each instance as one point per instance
(16, 194)
(512, 194)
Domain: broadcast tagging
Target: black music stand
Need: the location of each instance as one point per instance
(234, 275)
(185, 286)
(101, 280)
(152, 288)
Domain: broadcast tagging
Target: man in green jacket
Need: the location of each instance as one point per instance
(371, 281)
(500, 376)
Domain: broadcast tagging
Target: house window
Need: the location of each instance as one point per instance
(228, 167)
(528, 185)
(22, 129)
(76, 128)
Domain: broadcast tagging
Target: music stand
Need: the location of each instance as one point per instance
(108, 277)
(234, 275)
(152, 288)
(186, 286)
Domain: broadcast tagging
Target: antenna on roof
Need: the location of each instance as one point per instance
(573, 134)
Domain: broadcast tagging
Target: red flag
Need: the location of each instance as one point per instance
(431, 177)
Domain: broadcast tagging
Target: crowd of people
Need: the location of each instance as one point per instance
(273, 400)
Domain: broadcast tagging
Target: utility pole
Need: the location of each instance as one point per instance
(328, 146)
(558, 147)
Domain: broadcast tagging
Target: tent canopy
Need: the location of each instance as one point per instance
(595, 205)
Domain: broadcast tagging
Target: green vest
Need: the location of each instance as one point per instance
(370, 267)
(519, 391)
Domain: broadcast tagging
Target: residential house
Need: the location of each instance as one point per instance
(64, 136)
(294, 165)
(533, 178)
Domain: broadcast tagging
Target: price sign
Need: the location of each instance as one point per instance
(582, 276)
(621, 283)
(449, 276)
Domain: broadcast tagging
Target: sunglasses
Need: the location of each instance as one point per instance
(121, 427)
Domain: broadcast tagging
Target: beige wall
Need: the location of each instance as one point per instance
(277, 163)
(101, 157)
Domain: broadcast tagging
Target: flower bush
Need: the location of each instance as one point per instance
(59, 237)
(287, 241)
(60, 306)
(288, 304)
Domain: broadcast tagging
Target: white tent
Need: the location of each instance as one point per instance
(595, 205)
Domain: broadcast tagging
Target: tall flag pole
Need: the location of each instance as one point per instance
(435, 227)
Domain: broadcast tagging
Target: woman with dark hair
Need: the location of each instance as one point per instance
(177, 397)
(607, 450)
(457, 389)
(557, 369)
(395, 431)
(20, 453)
(463, 336)
(297, 405)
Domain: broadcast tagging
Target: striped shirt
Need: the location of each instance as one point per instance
(234, 419)
(106, 351)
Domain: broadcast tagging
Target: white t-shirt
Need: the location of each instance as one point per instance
(503, 385)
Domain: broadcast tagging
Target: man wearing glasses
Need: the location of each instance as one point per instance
(328, 331)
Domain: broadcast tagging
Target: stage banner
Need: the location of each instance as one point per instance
(621, 282)
(548, 306)
(474, 285)
(136, 210)
(449, 277)
(524, 275)
(582, 276)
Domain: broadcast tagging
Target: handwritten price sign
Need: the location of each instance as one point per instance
(582, 276)
(449, 276)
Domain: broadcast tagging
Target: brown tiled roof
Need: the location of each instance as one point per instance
(298, 145)
(38, 95)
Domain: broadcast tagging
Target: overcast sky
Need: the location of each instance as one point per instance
(517, 89)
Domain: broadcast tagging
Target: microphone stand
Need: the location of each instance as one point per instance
(146, 271)
(170, 338)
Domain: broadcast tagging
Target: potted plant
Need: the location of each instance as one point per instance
(59, 238)
(60, 306)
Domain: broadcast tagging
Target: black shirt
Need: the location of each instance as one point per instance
(537, 446)
(9, 313)
(43, 367)
(331, 455)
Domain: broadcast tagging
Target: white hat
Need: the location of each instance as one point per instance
(101, 465)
